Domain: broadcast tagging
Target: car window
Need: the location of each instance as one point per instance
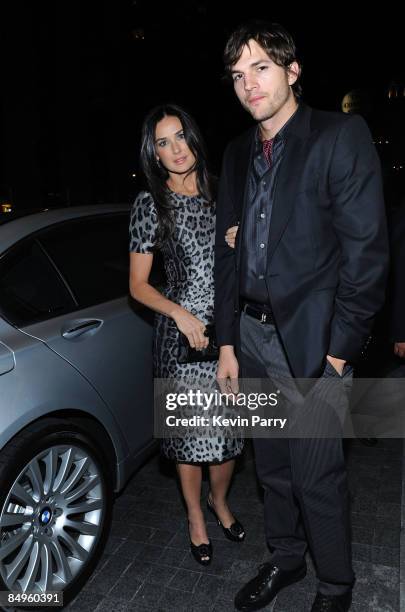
(30, 288)
(92, 255)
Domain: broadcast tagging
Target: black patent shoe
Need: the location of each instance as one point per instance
(332, 603)
(201, 551)
(235, 532)
(261, 590)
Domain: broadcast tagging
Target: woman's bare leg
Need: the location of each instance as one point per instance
(190, 479)
(220, 478)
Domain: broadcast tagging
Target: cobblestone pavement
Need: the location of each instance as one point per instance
(147, 564)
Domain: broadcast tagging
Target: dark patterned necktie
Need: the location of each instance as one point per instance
(268, 150)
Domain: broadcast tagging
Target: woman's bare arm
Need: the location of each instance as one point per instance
(142, 291)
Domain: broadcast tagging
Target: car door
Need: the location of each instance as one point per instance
(104, 336)
(35, 380)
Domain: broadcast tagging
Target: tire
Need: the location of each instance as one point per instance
(49, 469)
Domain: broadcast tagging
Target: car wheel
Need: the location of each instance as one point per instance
(56, 499)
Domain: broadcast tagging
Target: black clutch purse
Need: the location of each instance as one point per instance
(187, 354)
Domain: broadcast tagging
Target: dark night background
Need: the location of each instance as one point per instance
(78, 79)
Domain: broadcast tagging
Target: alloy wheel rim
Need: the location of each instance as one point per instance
(51, 520)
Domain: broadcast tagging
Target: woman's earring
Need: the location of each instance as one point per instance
(158, 161)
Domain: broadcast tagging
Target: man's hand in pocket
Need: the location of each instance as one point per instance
(336, 363)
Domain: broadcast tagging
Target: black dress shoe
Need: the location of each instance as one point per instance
(332, 603)
(202, 553)
(260, 591)
(235, 532)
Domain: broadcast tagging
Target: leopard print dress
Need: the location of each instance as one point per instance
(188, 257)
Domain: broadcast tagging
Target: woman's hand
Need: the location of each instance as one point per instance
(191, 327)
(230, 236)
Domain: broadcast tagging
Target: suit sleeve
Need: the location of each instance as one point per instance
(224, 267)
(359, 221)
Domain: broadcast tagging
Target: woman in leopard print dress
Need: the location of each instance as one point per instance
(177, 217)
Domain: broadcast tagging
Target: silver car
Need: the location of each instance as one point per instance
(76, 392)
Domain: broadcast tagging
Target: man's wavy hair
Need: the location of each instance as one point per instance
(272, 37)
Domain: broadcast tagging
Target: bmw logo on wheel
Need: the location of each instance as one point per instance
(45, 516)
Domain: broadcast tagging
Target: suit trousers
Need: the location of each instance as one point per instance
(306, 501)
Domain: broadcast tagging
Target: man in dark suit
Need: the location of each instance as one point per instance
(298, 295)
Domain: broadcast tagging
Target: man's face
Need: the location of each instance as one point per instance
(263, 87)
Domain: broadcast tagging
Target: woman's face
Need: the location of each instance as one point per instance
(171, 147)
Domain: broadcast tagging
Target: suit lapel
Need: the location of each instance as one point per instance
(292, 163)
(283, 203)
(243, 164)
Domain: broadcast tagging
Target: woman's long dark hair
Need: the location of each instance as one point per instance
(156, 175)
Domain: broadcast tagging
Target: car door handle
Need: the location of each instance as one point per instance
(77, 328)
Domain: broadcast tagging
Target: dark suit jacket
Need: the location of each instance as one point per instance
(327, 248)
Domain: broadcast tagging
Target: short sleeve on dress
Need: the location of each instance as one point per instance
(143, 224)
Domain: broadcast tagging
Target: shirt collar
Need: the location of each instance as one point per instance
(281, 134)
